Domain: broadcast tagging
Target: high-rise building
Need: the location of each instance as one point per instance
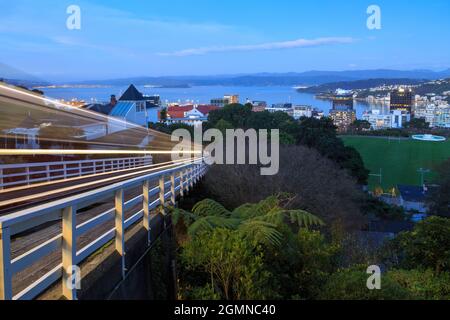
(342, 119)
(402, 99)
(343, 100)
(342, 112)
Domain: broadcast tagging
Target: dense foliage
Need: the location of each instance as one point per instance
(439, 200)
(266, 251)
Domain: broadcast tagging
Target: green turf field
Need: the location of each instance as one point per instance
(399, 160)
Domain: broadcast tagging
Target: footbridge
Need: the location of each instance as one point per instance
(45, 246)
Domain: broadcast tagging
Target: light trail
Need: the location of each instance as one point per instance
(88, 184)
(21, 152)
(92, 142)
(46, 100)
(43, 184)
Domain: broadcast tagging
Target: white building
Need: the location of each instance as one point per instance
(379, 120)
(302, 111)
(133, 107)
(435, 115)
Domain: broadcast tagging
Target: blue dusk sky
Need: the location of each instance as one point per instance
(126, 38)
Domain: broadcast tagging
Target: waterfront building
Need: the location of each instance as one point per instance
(402, 99)
(343, 100)
(281, 107)
(302, 111)
(134, 107)
(258, 106)
(379, 120)
(227, 99)
(435, 115)
(193, 115)
(342, 112)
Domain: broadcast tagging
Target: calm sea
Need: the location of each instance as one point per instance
(203, 95)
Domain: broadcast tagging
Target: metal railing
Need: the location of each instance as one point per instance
(180, 179)
(12, 175)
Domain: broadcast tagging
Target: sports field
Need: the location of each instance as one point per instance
(399, 160)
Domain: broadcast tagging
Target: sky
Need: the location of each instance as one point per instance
(119, 39)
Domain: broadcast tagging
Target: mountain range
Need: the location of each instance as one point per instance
(308, 78)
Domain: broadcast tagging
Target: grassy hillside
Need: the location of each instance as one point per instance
(399, 160)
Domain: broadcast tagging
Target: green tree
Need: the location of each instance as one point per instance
(236, 114)
(163, 115)
(360, 125)
(417, 123)
(351, 284)
(439, 199)
(423, 284)
(223, 125)
(267, 229)
(427, 246)
(232, 268)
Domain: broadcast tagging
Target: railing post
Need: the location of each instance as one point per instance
(69, 252)
(162, 197)
(47, 168)
(5, 265)
(181, 183)
(120, 227)
(146, 205)
(1, 179)
(65, 170)
(172, 189)
(192, 178)
(28, 175)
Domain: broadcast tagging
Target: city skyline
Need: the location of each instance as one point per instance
(119, 39)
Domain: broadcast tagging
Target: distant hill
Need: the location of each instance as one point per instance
(308, 78)
(17, 77)
(359, 85)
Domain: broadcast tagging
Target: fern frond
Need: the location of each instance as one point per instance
(188, 217)
(301, 218)
(245, 211)
(209, 223)
(261, 232)
(210, 207)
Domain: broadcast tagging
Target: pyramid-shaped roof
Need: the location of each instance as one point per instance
(132, 94)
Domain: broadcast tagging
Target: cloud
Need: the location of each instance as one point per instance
(299, 43)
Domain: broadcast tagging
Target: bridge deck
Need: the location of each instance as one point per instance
(23, 243)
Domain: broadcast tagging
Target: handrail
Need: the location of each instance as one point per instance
(64, 169)
(181, 179)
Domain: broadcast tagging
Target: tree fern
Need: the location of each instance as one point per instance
(209, 223)
(299, 217)
(188, 217)
(245, 211)
(210, 207)
(261, 232)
